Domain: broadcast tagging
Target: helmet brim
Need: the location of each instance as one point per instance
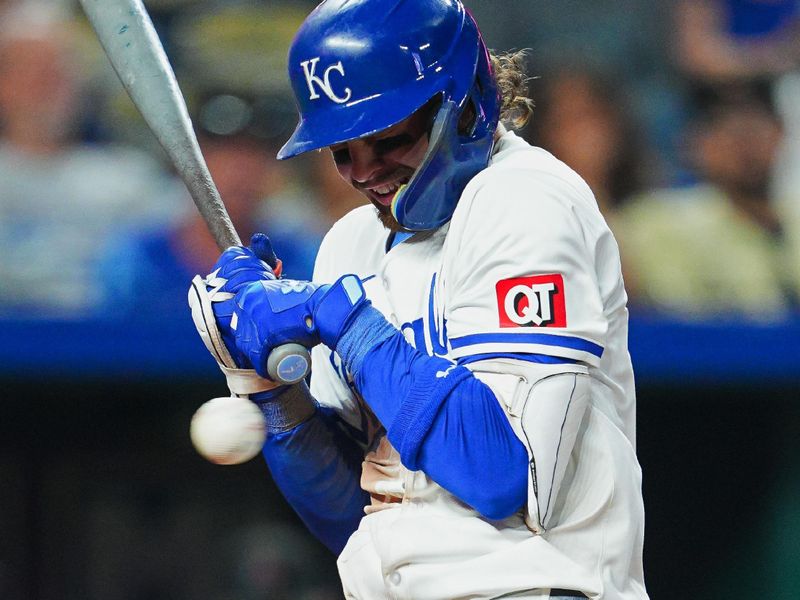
(335, 126)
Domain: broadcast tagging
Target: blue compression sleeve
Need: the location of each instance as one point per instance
(440, 418)
(318, 469)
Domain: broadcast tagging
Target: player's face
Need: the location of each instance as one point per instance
(379, 164)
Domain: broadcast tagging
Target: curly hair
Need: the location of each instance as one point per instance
(512, 82)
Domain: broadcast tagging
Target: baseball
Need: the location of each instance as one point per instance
(228, 431)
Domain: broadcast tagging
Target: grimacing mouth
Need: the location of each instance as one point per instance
(383, 188)
(387, 188)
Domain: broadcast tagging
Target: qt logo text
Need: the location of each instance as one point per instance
(314, 81)
(536, 301)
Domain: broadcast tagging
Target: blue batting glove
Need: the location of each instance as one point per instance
(236, 268)
(270, 313)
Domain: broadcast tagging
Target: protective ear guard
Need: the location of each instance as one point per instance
(406, 197)
(429, 198)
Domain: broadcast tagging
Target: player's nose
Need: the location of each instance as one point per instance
(364, 162)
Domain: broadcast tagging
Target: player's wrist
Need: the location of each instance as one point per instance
(285, 407)
(271, 395)
(367, 329)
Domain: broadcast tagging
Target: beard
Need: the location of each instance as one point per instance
(384, 213)
(387, 219)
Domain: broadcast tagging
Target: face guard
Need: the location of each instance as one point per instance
(360, 66)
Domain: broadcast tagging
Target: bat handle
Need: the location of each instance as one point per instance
(289, 363)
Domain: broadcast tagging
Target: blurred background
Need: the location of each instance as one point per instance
(682, 115)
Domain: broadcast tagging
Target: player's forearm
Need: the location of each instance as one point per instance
(443, 421)
(317, 468)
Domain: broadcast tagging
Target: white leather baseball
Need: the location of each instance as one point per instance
(228, 431)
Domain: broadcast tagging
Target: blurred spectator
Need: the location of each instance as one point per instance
(729, 41)
(581, 118)
(725, 245)
(626, 37)
(232, 59)
(239, 137)
(60, 199)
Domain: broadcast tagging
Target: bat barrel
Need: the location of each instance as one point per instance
(132, 45)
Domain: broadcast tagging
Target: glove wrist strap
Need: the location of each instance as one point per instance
(241, 382)
(286, 408)
(246, 382)
(336, 307)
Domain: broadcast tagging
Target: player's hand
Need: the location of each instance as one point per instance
(270, 313)
(211, 300)
(236, 268)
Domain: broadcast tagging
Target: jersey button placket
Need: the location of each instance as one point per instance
(395, 578)
(384, 279)
(392, 315)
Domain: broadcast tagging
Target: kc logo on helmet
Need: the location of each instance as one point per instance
(323, 83)
(536, 301)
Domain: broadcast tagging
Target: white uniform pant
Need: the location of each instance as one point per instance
(435, 576)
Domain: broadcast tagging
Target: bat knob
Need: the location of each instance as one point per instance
(289, 363)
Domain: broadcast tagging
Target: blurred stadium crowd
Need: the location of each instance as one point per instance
(683, 117)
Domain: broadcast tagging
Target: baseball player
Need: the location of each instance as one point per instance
(469, 427)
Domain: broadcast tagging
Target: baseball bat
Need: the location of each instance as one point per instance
(131, 43)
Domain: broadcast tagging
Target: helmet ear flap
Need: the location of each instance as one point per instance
(482, 104)
(468, 118)
(433, 106)
(485, 92)
(474, 112)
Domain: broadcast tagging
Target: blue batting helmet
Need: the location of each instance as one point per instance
(358, 67)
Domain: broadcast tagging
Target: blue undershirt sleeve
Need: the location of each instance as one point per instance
(440, 418)
(317, 467)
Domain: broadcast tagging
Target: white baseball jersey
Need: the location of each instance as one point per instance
(526, 267)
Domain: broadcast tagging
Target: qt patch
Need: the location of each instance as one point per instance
(536, 301)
